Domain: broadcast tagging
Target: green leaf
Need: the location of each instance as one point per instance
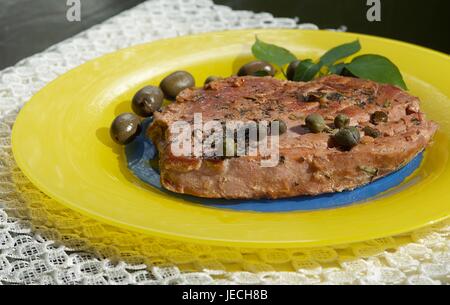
(377, 68)
(328, 59)
(337, 69)
(272, 53)
(340, 52)
(305, 71)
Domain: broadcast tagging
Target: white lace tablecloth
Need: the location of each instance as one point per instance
(43, 242)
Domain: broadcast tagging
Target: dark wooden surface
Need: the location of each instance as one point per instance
(424, 22)
(30, 26)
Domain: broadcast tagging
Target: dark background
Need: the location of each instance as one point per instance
(30, 26)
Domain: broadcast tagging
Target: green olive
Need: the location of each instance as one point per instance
(315, 123)
(125, 128)
(379, 117)
(147, 100)
(211, 79)
(371, 132)
(257, 68)
(176, 82)
(282, 127)
(341, 121)
(347, 138)
(291, 69)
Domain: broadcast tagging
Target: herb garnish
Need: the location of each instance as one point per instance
(271, 53)
(369, 66)
(377, 68)
(328, 59)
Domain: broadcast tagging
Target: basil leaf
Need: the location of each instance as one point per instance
(337, 69)
(377, 68)
(340, 52)
(328, 59)
(272, 53)
(306, 70)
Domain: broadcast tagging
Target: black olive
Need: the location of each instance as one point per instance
(257, 68)
(379, 117)
(125, 128)
(176, 82)
(291, 69)
(211, 79)
(147, 101)
(347, 138)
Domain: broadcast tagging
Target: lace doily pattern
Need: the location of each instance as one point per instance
(41, 242)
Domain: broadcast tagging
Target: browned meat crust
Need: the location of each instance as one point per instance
(309, 165)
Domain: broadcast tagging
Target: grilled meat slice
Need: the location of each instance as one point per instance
(309, 163)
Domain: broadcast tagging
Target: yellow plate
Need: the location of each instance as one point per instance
(61, 142)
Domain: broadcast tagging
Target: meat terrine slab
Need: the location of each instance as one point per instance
(307, 162)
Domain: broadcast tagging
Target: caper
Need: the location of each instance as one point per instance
(341, 121)
(176, 82)
(291, 69)
(378, 117)
(347, 138)
(371, 132)
(315, 123)
(147, 100)
(257, 68)
(211, 79)
(282, 127)
(125, 128)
